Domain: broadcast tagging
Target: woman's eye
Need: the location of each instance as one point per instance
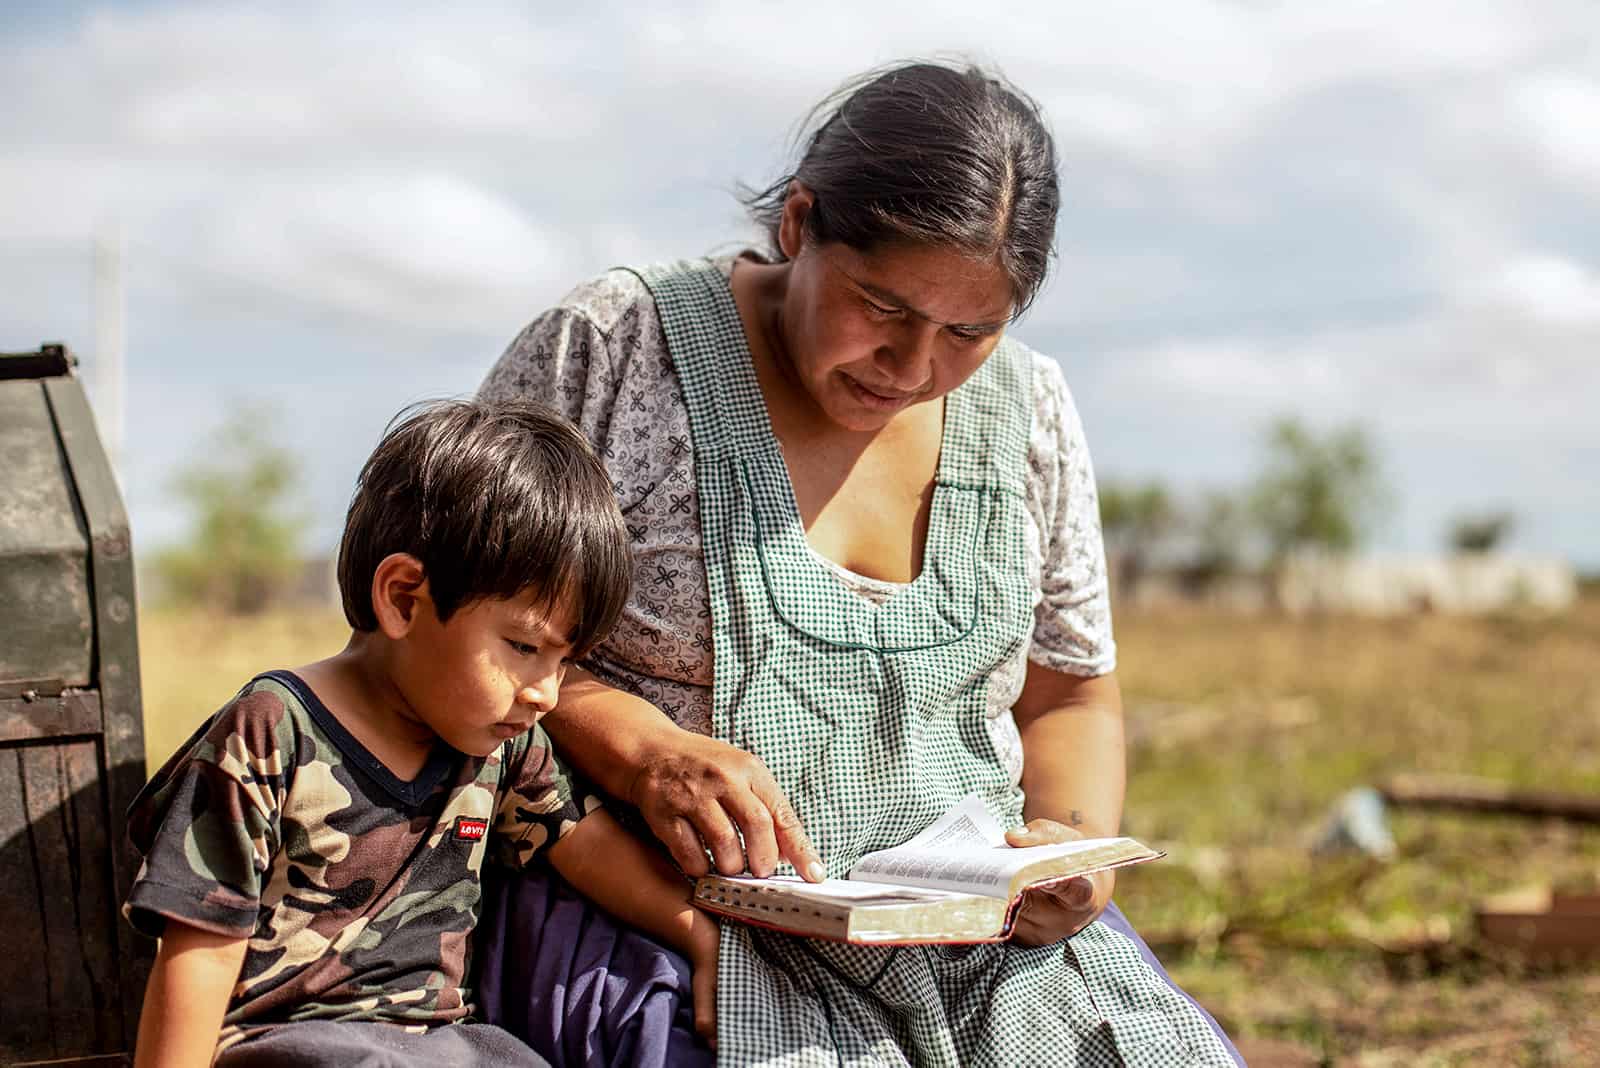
(965, 336)
(878, 310)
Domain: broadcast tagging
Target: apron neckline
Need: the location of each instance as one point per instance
(785, 535)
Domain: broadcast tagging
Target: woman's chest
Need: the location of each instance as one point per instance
(867, 505)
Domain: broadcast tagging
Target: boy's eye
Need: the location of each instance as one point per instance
(878, 310)
(967, 335)
(522, 648)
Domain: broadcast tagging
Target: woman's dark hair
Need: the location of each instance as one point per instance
(931, 155)
(493, 499)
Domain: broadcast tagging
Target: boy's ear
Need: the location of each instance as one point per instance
(399, 592)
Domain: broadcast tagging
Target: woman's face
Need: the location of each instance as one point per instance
(868, 335)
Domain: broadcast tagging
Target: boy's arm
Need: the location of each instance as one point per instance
(187, 996)
(639, 885)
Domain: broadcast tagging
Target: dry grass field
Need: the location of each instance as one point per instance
(1243, 731)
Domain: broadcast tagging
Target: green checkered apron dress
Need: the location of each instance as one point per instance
(872, 717)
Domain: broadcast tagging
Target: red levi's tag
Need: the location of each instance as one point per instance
(471, 829)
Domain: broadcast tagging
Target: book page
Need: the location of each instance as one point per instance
(967, 824)
(963, 851)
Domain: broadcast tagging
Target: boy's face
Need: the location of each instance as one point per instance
(489, 673)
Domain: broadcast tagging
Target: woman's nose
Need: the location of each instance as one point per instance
(910, 353)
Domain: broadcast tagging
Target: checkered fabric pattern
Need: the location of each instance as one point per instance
(873, 719)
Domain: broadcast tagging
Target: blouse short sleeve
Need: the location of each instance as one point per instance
(601, 359)
(560, 359)
(1072, 621)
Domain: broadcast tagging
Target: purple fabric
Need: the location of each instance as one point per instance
(370, 1044)
(577, 986)
(582, 989)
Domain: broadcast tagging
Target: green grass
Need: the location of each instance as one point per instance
(1243, 731)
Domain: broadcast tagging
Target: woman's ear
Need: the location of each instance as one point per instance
(797, 205)
(399, 592)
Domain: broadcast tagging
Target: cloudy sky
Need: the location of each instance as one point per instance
(1357, 212)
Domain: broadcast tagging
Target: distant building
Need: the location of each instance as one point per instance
(1462, 584)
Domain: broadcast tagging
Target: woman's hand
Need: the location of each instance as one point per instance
(700, 794)
(1053, 912)
(696, 793)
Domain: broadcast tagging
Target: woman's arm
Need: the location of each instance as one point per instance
(187, 996)
(695, 792)
(1074, 774)
(1074, 767)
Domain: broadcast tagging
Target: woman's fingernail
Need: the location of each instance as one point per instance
(816, 872)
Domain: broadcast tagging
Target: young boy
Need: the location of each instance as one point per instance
(312, 856)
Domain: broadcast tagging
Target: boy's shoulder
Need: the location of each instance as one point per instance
(264, 716)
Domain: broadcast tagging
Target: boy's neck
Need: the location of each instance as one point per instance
(358, 688)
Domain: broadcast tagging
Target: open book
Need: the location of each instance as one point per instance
(957, 881)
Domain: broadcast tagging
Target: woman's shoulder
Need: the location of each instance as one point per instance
(1055, 415)
(607, 299)
(620, 296)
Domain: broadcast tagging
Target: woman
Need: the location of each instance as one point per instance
(868, 581)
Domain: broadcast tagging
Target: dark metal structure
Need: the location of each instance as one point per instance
(71, 728)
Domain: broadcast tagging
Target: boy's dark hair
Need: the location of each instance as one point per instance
(931, 155)
(493, 499)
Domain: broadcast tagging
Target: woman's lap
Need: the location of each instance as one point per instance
(582, 989)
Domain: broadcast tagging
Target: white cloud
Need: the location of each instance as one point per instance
(426, 249)
(1241, 181)
(1560, 111)
(1550, 290)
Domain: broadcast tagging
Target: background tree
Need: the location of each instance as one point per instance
(1481, 533)
(1135, 520)
(243, 547)
(1221, 536)
(1315, 492)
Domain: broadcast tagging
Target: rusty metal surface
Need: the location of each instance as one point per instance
(59, 971)
(71, 732)
(48, 362)
(46, 626)
(74, 713)
(116, 657)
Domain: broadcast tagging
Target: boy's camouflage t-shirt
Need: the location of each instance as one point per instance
(357, 891)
